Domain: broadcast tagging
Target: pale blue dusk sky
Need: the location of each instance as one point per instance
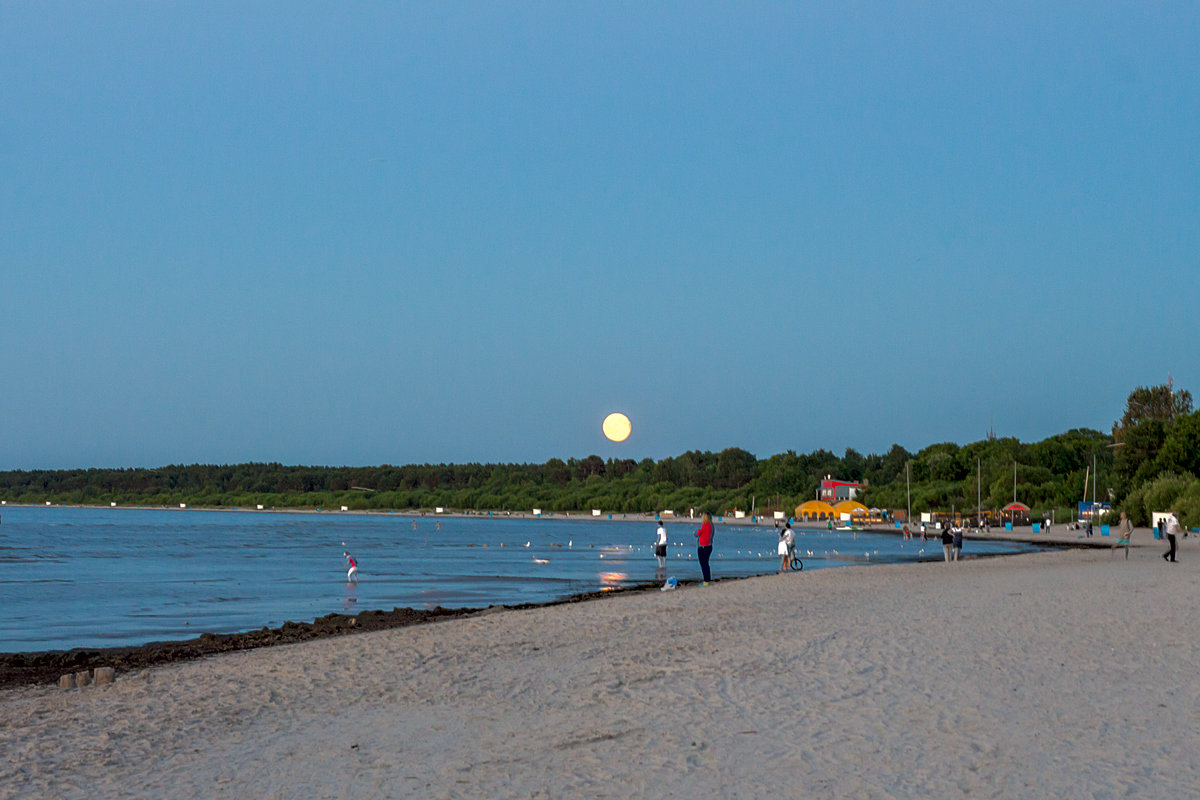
(371, 233)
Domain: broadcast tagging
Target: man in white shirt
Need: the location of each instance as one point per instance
(1172, 532)
(660, 546)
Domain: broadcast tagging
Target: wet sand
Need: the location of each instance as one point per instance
(1070, 674)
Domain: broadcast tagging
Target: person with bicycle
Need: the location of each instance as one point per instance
(789, 536)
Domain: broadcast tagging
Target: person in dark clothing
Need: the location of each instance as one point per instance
(704, 538)
(1172, 531)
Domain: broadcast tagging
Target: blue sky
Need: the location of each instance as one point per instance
(421, 232)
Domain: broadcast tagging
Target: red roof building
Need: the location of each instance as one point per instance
(836, 491)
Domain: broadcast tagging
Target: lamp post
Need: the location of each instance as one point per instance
(908, 490)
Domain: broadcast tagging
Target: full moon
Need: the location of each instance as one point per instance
(616, 427)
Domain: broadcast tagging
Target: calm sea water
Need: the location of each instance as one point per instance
(74, 577)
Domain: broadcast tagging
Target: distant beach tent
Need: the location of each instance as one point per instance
(1016, 511)
(851, 507)
(815, 510)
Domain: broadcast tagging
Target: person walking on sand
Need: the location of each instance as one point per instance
(1172, 532)
(947, 541)
(660, 545)
(704, 537)
(1126, 534)
(957, 542)
(782, 550)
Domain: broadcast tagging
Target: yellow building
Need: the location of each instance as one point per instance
(851, 507)
(815, 510)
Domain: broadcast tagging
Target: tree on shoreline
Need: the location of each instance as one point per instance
(1158, 435)
(1154, 416)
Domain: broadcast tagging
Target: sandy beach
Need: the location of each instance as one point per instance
(1068, 674)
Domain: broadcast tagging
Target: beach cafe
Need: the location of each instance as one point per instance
(816, 510)
(1016, 513)
(852, 510)
(820, 511)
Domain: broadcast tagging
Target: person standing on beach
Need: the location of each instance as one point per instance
(1172, 531)
(1126, 534)
(660, 546)
(947, 541)
(957, 540)
(704, 546)
(789, 538)
(782, 550)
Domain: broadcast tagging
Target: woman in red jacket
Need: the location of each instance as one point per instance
(704, 550)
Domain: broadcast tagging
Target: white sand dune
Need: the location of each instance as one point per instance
(1068, 674)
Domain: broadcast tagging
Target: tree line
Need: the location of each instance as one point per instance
(1149, 462)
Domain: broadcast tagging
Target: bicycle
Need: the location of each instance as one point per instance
(795, 563)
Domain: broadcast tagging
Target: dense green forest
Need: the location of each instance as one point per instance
(1149, 462)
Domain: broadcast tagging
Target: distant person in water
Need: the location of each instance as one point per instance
(352, 573)
(660, 545)
(704, 546)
